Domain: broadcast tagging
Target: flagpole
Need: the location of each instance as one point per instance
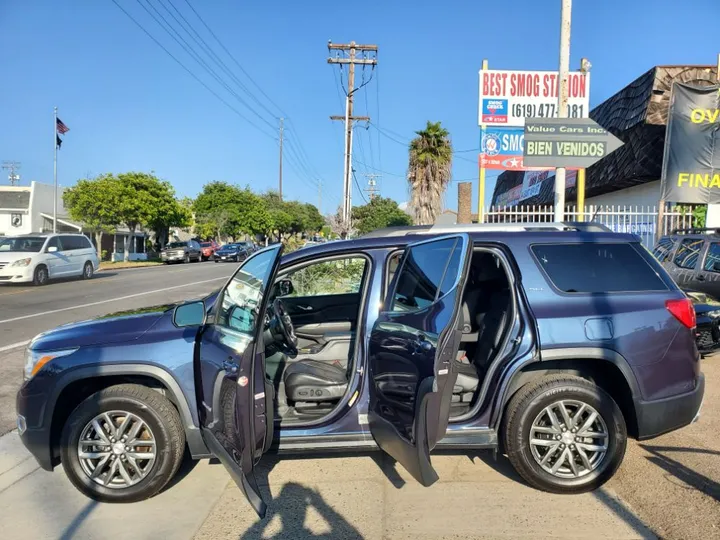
(55, 174)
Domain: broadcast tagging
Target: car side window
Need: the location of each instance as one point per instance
(664, 249)
(72, 243)
(242, 297)
(688, 253)
(712, 260)
(421, 279)
(54, 242)
(324, 278)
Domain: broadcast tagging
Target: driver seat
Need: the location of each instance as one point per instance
(315, 381)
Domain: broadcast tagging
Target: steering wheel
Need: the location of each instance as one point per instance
(285, 326)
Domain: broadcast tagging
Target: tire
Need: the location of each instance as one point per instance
(88, 270)
(163, 425)
(187, 258)
(40, 276)
(529, 408)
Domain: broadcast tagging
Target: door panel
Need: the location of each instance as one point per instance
(412, 353)
(236, 401)
(58, 262)
(708, 274)
(320, 309)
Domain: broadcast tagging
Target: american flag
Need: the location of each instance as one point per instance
(61, 128)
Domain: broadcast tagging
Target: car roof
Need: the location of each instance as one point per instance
(401, 236)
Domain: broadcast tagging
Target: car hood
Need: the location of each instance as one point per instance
(12, 256)
(123, 326)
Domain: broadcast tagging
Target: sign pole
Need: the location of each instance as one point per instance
(564, 68)
(581, 172)
(55, 173)
(481, 177)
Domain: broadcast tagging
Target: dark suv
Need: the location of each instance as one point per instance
(550, 342)
(692, 258)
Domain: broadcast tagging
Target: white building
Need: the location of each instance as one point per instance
(29, 209)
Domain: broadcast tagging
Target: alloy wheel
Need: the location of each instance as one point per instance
(569, 439)
(88, 271)
(117, 449)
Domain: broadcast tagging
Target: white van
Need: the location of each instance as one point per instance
(37, 258)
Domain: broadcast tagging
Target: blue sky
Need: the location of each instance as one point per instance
(129, 106)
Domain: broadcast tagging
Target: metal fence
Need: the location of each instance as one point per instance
(639, 220)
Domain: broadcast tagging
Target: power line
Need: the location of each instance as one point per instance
(357, 184)
(171, 55)
(180, 40)
(378, 170)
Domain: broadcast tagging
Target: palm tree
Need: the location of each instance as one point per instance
(428, 174)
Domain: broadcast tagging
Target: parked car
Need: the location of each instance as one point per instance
(37, 258)
(208, 249)
(231, 252)
(692, 258)
(526, 339)
(181, 252)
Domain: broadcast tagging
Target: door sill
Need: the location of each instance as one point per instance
(469, 438)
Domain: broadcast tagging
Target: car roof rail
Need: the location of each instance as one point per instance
(488, 227)
(697, 230)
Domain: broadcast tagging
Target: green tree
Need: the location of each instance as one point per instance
(378, 214)
(429, 168)
(147, 201)
(94, 202)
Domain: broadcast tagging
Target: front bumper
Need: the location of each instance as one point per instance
(16, 274)
(227, 256)
(35, 435)
(655, 418)
(172, 257)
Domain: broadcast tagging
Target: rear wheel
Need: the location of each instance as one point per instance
(122, 444)
(40, 277)
(88, 270)
(564, 434)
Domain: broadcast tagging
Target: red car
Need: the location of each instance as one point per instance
(208, 249)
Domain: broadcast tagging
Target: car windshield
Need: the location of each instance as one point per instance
(172, 245)
(28, 244)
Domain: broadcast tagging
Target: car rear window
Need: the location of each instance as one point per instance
(596, 268)
(664, 249)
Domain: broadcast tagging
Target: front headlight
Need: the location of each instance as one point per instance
(35, 360)
(22, 262)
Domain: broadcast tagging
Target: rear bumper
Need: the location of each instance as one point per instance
(657, 417)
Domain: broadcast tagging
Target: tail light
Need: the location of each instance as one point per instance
(683, 311)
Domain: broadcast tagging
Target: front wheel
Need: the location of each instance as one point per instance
(40, 276)
(187, 258)
(122, 444)
(564, 434)
(88, 270)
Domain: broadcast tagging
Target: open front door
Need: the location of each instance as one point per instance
(235, 400)
(413, 346)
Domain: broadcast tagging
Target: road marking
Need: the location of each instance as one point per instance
(50, 312)
(15, 345)
(15, 292)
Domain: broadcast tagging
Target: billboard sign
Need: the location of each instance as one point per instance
(508, 97)
(502, 148)
(691, 165)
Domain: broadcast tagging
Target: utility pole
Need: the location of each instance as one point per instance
(564, 68)
(351, 60)
(372, 189)
(281, 158)
(12, 166)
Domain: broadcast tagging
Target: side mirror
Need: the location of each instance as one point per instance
(716, 266)
(52, 249)
(285, 287)
(190, 314)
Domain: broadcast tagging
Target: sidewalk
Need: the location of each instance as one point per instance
(334, 497)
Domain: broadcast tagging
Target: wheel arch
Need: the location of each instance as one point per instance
(606, 368)
(81, 383)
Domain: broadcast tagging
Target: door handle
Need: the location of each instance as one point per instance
(304, 308)
(700, 277)
(422, 345)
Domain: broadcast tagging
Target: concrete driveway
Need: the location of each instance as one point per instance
(335, 497)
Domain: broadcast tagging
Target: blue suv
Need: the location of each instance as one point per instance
(550, 342)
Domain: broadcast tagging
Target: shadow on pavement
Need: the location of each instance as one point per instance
(624, 514)
(71, 529)
(186, 467)
(683, 473)
(291, 506)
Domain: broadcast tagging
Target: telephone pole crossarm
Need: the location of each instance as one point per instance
(351, 118)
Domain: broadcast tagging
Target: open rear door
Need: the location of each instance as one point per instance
(234, 398)
(413, 346)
